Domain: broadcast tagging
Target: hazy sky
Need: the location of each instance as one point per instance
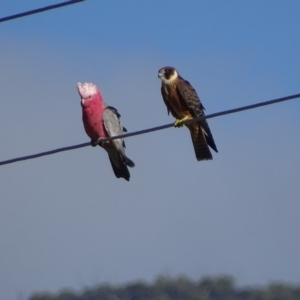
(66, 221)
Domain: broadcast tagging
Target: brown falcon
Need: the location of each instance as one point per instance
(183, 102)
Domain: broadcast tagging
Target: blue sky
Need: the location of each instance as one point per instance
(67, 222)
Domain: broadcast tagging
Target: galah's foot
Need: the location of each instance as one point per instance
(179, 122)
(94, 143)
(100, 141)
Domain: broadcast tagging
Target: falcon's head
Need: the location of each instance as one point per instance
(168, 74)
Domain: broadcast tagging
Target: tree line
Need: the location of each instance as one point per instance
(181, 288)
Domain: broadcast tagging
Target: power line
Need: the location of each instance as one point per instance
(39, 10)
(218, 114)
(10, 161)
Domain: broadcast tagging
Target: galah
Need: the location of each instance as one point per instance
(100, 122)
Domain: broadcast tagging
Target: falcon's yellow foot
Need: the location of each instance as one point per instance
(179, 122)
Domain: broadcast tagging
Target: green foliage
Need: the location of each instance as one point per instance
(181, 288)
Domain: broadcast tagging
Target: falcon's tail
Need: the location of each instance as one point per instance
(119, 164)
(207, 134)
(200, 143)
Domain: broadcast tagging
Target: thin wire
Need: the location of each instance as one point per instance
(222, 113)
(218, 114)
(39, 10)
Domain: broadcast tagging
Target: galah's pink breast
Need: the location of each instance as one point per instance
(92, 117)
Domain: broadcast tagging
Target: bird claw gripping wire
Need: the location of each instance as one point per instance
(180, 122)
(100, 141)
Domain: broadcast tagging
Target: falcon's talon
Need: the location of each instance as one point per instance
(179, 122)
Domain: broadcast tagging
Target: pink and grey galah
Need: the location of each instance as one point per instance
(100, 122)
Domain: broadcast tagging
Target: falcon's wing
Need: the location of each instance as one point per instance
(113, 127)
(190, 97)
(164, 96)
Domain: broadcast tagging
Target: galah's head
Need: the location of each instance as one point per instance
(168, 74)
(87, 91)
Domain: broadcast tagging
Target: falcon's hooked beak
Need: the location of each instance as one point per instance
(161, 73)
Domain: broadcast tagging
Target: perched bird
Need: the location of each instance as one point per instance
(100, 122)
(183, 102)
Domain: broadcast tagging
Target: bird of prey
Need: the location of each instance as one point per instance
(100, 122)
(183, 102)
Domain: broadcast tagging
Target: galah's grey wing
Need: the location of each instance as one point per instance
(113, 127)
(118, 159)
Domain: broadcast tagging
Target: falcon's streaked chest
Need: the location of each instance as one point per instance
(174, 101)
